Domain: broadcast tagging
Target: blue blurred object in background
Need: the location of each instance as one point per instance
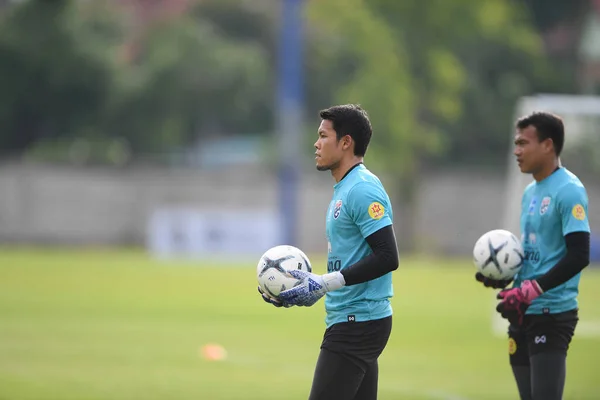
(594, 248)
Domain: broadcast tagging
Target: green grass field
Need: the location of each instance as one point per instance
(117, 325)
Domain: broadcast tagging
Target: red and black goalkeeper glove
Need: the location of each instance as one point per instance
(516, 301)
(493, 283)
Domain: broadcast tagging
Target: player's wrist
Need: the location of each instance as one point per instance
(333, 281)
(531, 290)
(533, 285)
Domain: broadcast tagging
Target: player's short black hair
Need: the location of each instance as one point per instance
(548, 126)
(350, 119)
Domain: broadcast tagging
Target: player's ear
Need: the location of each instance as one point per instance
(347, 142)
(548, 145)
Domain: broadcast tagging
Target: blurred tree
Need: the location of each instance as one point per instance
(471, 61)
(244, 21)
(195, 76)
(53, 80)
(548, 14)
(185, 81)
(252, 24)
(160, 81)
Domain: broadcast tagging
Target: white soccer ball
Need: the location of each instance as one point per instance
(498, 254)
(272, 268)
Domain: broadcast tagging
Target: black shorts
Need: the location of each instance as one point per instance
(360, 342)
(541, 333)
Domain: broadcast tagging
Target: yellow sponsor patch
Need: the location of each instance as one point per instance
(578, 212)
(512, 346)
(376, 210)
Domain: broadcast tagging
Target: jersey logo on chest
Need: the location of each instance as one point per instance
(337, 209)
(545, 204)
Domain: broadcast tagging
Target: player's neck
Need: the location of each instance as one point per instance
(547, 170)
(345, 165)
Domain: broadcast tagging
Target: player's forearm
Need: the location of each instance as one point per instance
(576, 259)
(383, 260)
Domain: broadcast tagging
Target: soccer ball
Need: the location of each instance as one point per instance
(272, 268)
(498, 254)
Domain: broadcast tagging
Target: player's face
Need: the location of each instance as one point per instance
(530, 152)
(329, 149)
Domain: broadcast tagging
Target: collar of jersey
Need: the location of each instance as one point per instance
(550, 177)
(354, 167)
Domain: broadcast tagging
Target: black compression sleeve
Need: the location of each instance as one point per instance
(576, 259)
(384, 258)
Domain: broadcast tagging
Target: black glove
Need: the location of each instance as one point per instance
(493, 283)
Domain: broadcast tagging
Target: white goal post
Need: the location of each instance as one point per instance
(581, 116)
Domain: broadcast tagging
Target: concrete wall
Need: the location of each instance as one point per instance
(41, 204)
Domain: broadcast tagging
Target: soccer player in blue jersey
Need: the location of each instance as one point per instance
(362, 253)
(542, 304)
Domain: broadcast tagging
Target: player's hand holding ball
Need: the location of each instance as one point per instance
(311, 287)
(274, 273)
(271, 300)
(492, 283)
(498, 256)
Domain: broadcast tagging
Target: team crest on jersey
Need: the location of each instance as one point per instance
(376, 210)
(544, 205)
(337, 209)
(578, 212)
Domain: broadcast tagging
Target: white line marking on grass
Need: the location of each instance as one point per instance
(439, 395)
(589, 329)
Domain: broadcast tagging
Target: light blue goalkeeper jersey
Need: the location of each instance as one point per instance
(550, 210)
(360, 206)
